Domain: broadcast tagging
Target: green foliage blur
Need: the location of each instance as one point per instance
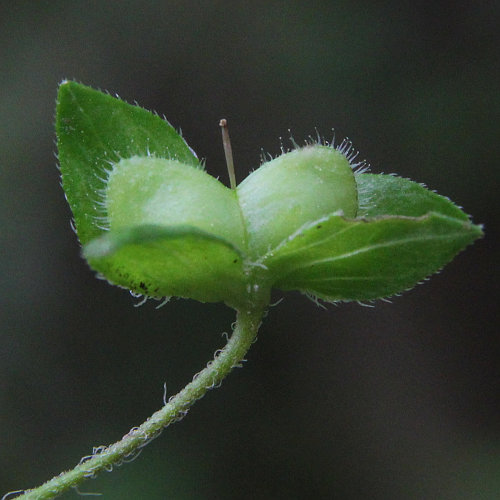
(396, 401)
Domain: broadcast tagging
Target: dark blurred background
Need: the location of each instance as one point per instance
(397, 401)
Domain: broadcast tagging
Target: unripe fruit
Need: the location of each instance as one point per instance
(270, 205)
(157, 191)
(292, 190)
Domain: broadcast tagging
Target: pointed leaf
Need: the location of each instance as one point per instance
(177, 261)
(389, 195)
(94, 130)
(339, 259)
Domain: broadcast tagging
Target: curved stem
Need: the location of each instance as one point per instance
(245, 332)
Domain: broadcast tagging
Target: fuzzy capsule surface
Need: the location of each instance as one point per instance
(267, 207)
(292, 190)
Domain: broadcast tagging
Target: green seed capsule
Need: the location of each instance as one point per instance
(157, 191)
(148, 196)
(292, 190)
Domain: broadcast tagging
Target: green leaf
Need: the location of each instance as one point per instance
(95, 130)
(381, 195)
(362, 259)
(176, 261)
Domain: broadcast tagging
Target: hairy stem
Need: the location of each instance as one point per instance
(245, 331)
